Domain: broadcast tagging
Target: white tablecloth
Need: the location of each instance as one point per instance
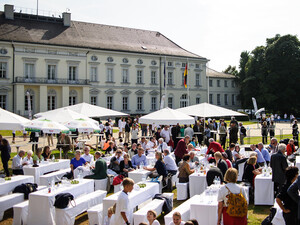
(138, 175)
(45, 168)
(205, 210)
(8, 186)
(197, 183)
(264, 190)
(298, 162)
(184, 210)
(85, 171)
(41, 210)
(67, 216)
(135, 197)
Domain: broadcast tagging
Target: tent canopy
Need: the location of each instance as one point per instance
(11, 121)
(167, 116)
(47, 126)
(208, 110)
(94, 111)
(63, 115)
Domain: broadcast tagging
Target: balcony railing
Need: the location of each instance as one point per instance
(41, 80)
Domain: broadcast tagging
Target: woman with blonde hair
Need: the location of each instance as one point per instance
(159, 166)
(126, 165)
(223, 196)
(250, 171)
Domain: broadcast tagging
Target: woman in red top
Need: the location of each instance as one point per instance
(290, 148)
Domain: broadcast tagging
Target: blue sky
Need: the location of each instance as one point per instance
(216, 29)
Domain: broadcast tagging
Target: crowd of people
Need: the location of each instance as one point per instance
(175, 151)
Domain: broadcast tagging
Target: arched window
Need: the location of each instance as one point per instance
(183, 100)
(31, 101)
(51, 99)
(73, 97)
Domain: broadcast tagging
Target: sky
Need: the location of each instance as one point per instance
(218, 30)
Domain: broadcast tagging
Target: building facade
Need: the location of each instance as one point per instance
(56, 62)
(222, 89)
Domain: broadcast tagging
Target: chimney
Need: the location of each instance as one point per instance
(9, 11)
(67, 19)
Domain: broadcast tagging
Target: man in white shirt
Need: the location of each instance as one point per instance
(143, 143)
(166, 134)
(170, 163)
(87, 156)
(101, 128)
(120, 127)
(151, 144)
(177, 219)
(161, 145)
(17, 163)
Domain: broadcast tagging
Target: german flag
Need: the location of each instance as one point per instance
(185, 76)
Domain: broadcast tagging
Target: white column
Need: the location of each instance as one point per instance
(65, 96)
(86, 94)
(43, 98)
(19, 99)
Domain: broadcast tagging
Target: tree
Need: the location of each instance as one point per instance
(231, 70)
(271, 74)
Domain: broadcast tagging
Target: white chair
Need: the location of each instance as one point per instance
(156, 205)
(95, 214)
(20, 213)
(8, 201)
(141, 215)
(101, 184)
(57, 175)
(182, 191)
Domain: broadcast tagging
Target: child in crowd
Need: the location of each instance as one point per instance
(109, 216)
(151, 217)
(122, 210)
(177, 219)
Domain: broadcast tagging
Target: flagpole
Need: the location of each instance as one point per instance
(187, 82)
(165, 77)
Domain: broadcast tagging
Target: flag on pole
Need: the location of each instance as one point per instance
(165, 74)
(185, 76)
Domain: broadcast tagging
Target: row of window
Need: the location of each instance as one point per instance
(233, 100)
(73, 99)
(73, 74)
(219, 83)
(140, 102)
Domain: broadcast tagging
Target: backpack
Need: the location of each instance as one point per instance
(26, 189)
(237, 204)
(62, 200)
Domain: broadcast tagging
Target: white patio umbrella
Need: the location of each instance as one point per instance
(47, 126)
(167, 116)
(64, 115)
(83, 126)
(94, 111)
(208, 110)
(11, 121)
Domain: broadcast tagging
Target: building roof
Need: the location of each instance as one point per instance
(90, 35)
(213, 73)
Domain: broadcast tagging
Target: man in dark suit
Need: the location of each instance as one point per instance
(278, 164)
(221, 164)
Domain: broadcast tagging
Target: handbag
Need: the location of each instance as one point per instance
(62, 200)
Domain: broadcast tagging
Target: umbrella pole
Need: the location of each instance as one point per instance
(59, 153)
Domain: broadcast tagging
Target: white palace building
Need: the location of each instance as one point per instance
(61, 62)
